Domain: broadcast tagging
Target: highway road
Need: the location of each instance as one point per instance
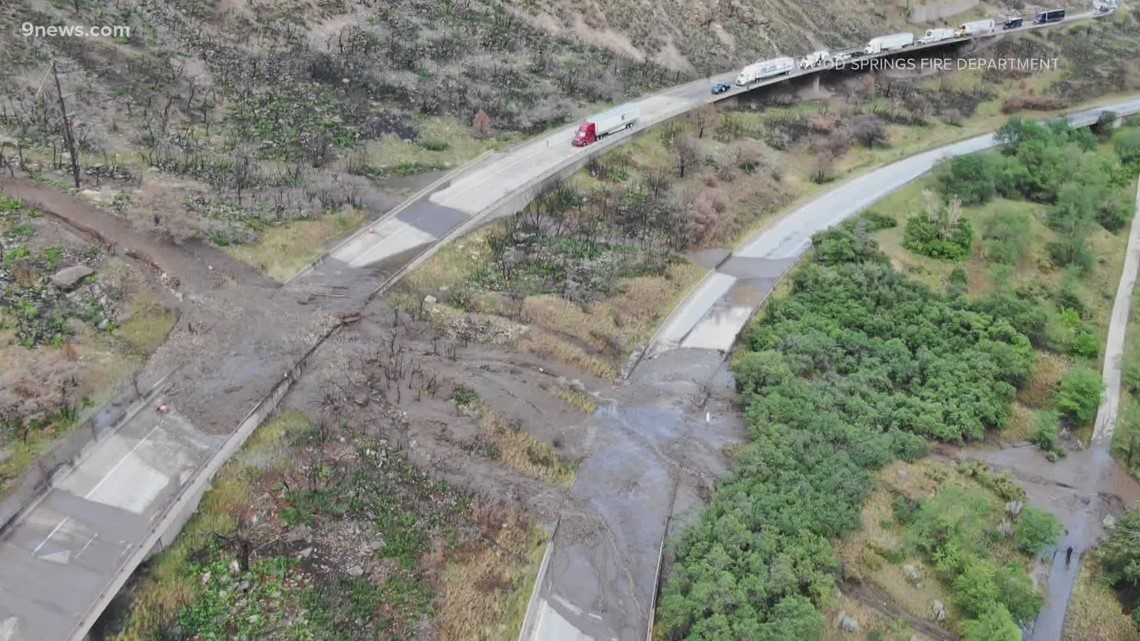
(476, 190)
(711, 316)
(64, 559)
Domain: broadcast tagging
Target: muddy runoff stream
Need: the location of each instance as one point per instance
(1081, 490)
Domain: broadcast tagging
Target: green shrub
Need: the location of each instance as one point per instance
(1045, 430)
(1017, 592)
(958, 283)
(1080, 395)
(1007, 237)
(435, 145)
(1036, 530)
(1071, 250)
(975, 590)
(995, 624)
(970, 178)
(1126, 142)
(940, 235)
(1120, 551)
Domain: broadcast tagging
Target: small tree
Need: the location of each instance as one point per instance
(869, 130)
(481, 123)
(1080, 395)
(824, 167)
(1036, 530)
(704, 117)
(686, 152)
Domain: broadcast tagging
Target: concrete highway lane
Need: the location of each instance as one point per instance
(56, 563)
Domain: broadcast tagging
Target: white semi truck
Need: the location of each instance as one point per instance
(765, 69)
(893, 42)
(975, 28)
(936, 35)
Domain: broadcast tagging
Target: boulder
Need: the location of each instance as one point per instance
(912, 575)
(939, 611)
(430, 300)
(847, 623)
(355, 571)
(69, 278)
(1109, 521)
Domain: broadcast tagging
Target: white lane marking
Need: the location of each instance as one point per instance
(99, 484)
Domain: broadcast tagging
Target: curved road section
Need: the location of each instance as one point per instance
(713, 314)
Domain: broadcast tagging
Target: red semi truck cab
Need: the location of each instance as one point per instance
(587, 133)
(604, 124)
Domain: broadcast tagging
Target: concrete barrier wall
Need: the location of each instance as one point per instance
(938, 11)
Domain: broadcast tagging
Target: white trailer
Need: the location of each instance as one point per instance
(975, 28)
(765, 69)
(615, 119)
(815, 58)
(936, 35)
(893, 42)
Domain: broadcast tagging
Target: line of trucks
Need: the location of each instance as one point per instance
(625, 116)
(764, 69)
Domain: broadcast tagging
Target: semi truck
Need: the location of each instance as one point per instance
(815, 58)
(975, 28)
(893, 42)
(765, 69)
(1053, 15)
(936, 35)
(604, 124)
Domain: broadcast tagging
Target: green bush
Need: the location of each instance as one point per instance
(832, 395)
(1080, 395)
(1016, 591)
(939, 236)
(958, 283)
(975, 589)
(1045, 430)
(1071, 250)
(435, 145)
(970, 178)
(1007, 237)
(1126, 142)
(1120, 551)
(995, 624)
(1036, 530)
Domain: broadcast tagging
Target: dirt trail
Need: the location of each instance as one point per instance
(193, 268)
(872, 596)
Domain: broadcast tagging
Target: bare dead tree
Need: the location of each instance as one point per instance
(68, 138)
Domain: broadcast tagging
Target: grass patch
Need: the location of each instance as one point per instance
(521, 451)
(1094, 612)
(283, 250)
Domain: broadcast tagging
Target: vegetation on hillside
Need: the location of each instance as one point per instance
(307, 535)
(860, 365)
(63, 344)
